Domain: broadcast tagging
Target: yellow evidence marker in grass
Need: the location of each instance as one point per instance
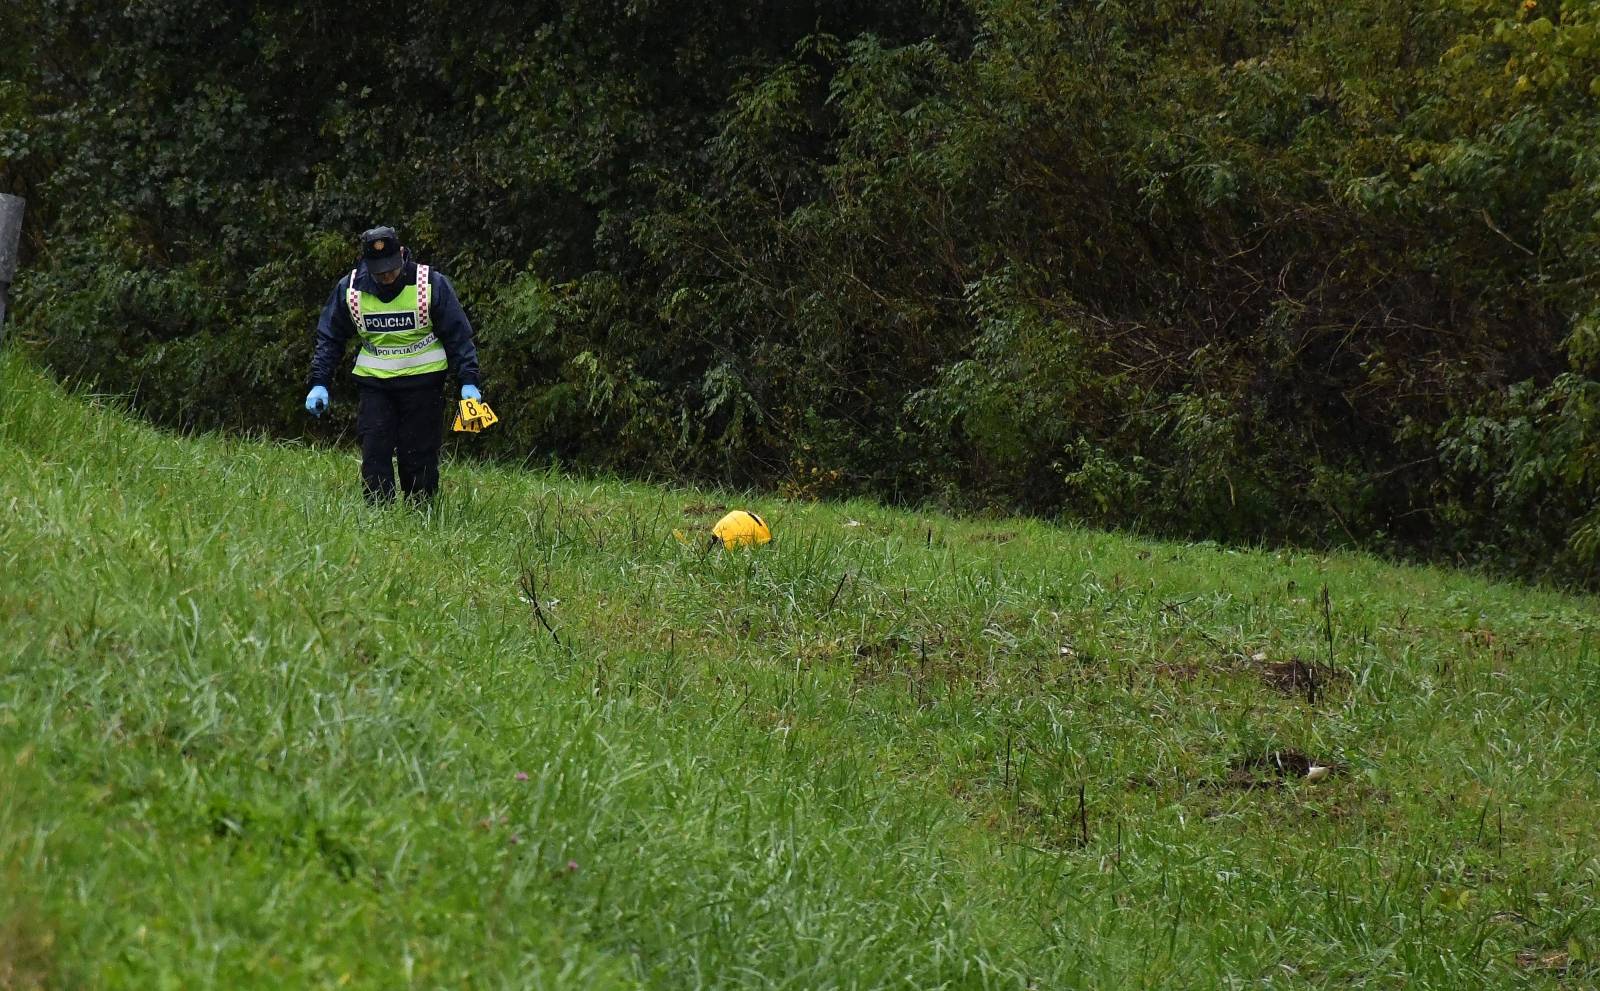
(737, 529)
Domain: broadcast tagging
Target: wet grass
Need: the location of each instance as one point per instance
(253, 733)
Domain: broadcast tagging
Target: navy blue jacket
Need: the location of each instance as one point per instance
(335, 328)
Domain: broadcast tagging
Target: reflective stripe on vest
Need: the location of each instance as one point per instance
(396, 337)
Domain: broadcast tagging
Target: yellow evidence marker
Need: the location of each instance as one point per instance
(473, 415)
(741, 527)
(736, 529)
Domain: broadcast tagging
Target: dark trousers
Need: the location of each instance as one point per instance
(404, 425)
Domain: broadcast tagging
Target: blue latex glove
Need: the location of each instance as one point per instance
(317, 400)
(471, 392)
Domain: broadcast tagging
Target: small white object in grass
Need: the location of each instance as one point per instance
(852, 522)
(1316, 772)
(1259, 657)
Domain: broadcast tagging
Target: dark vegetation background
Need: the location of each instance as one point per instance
(1288, 270)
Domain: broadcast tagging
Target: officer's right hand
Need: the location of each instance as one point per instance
(317, 400)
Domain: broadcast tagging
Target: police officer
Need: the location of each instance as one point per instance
(412, 331)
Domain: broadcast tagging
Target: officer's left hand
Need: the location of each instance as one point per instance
(471, 392)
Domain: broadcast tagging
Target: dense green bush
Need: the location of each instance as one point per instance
(1301, 269)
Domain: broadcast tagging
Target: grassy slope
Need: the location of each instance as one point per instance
(255, 734)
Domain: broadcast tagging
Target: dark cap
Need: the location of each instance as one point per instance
(380, 249)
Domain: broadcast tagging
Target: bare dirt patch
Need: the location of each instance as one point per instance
(1299, 677)
(703, 509)
(25, 953)
(1267, 770)
(1001, 537)
(880, 649)
(1552, 960)
(1186, 671)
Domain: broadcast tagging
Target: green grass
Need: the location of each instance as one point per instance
(255, 734)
